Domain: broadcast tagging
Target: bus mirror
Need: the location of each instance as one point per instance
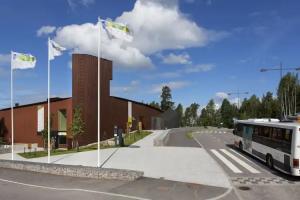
(234, 132)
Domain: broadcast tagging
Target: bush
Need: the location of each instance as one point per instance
(2, 141)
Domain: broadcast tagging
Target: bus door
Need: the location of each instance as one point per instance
(247, 138)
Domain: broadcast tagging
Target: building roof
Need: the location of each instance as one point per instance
(271, 123)
(53, 99)
(136, 102)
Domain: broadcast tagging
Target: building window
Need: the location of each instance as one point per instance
(62, 120)
(40, 119)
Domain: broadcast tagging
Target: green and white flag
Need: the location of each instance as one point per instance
(118, 30)
(22, 61)
(54, 49)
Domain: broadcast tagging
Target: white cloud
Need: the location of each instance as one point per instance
(133, 86)
(221, 95)
(81, 39)
(169, 74)
(169, 29)
(189, 1)
(70, 65)
(172, 58)
(172, 84)
(199, 68)
(4, 62)
(74, 3)
(4, 59)
(209, 2)
(45, 30)
(186, 70)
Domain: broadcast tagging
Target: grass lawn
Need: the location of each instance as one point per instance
(133, 137)
(189, 135)
(128, 140)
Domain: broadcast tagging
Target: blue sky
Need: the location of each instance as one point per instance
(202, 49)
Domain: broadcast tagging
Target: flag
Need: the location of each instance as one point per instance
(22, 61)
(54, 49)
(118, 30)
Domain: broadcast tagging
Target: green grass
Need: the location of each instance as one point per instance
(56, 152)
(189, 135)
(128, 140)
(131, 138)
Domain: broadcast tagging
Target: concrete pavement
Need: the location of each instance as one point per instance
(189, 164)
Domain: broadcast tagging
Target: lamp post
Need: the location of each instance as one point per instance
(281, 69)
(238, 93)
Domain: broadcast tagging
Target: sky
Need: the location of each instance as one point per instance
(201, 49)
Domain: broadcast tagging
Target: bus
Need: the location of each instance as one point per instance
(274, 142)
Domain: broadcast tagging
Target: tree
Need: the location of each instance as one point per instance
(269, 106)
(44, 132)
(228, 112)
(187, 117)
(250, 108)
(208, 115)
(154, 104)
(179, 111)
(77, 127)
(194, 113)
(288, 92)
(191, 115)
(3, 130)
(166, 99)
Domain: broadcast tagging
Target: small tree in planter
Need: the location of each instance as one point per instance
(3, 131)
(77, 127)
(44, 132)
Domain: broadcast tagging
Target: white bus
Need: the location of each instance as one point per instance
(276, 143)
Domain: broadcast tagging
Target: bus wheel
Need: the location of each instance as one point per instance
(241, 146)
(269, 161)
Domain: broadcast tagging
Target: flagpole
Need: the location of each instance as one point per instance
(12, 108)
(48, 104)
(98, 92)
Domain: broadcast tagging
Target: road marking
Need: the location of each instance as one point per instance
(234, 151)
(241, 162)
(74, 189)
(226, 162)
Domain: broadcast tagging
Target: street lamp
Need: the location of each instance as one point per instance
(238, 93)
(280, 69)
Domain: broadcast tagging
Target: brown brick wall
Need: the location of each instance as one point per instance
(114, 110)
(25, 120)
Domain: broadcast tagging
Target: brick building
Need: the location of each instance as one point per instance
(30, 119)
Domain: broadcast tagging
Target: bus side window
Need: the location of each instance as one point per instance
(287, 135)
(239, 130)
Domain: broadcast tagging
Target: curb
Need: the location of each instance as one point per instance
(74, 171)
(162, 139)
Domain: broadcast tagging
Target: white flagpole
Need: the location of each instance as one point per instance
(48, 102)
(12, 107)
(99, 99)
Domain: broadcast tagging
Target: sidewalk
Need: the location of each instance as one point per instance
(193, 165)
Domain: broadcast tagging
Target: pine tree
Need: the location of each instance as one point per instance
(166, 99)
(154, 104)
(179, 111)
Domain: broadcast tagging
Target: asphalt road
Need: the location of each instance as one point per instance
(250, 178)
(22, 185)
(179, 138)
